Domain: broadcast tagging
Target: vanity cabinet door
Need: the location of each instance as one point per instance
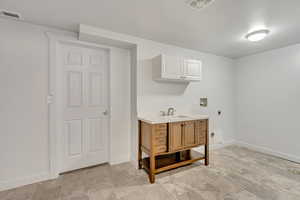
(176, 136)
(190, 138)
(187, 134)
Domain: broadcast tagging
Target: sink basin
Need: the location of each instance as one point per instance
(180, 116)
(176, 116)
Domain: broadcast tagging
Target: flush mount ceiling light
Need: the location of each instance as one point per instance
(257, 35)
(198, 4)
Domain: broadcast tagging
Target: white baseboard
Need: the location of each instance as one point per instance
(119, 160)
(269, 151)
(10, 184)
(216, 146)
(222, 145)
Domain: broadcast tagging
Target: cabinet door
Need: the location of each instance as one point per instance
(176, 136)
(172, 67)
(192, 68)
(190, 138)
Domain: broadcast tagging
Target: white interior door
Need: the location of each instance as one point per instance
(84, 74)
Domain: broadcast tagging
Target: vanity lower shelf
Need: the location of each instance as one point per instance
(172, 161)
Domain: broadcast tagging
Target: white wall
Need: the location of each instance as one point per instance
(23, 107)
(24, 145)
(268, 97)
(120, 89)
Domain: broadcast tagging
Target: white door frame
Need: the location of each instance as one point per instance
(54, 128)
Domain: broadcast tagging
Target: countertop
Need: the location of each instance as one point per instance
(169, 119)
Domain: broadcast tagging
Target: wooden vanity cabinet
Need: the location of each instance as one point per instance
(166, 143)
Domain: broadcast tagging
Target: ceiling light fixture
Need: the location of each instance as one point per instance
(257, 35)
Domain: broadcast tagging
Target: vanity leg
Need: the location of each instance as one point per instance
(206, 154)
(207, 144)
(178, 156)
(139, 145)
(152, 169)
(189, 155)
(140, 164)
(152, 178)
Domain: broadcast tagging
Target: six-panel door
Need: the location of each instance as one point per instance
(83, 72)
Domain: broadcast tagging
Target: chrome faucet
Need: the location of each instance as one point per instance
(171, 111)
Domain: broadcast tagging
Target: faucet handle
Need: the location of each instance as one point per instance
(171, 111)
(162, 113)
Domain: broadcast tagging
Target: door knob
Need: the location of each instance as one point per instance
(105, 112)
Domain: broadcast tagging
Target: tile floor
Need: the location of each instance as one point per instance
(235, 173)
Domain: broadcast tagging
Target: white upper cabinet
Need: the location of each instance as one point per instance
(172, 67)
(192, 69)
(176, 69)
